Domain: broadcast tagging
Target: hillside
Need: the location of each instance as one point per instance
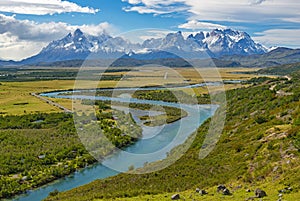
(281, 70)
(275, 57)
(260, 146)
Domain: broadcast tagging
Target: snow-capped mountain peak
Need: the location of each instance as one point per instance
(216, 43)
(228, 42)
(79, 45)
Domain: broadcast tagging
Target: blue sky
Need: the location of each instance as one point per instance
(26, 26)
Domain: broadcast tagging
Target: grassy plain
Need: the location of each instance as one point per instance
(15, 97)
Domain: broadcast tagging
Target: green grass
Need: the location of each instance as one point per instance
(239, 193)
(13, 93)
(259, 146)
(29, 157)
(281, 70)
(23, 139)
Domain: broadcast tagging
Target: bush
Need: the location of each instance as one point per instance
(54, 193)
(261, 120)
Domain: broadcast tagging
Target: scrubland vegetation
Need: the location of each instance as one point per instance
(259, 147)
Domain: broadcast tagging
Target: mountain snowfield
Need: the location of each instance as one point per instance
(217, 43)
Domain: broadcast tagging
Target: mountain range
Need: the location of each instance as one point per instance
(227, 48)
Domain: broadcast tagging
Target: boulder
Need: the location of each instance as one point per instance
(221, 188)
(203, 192)
(226, 192)
(260, 193)
(175, 197)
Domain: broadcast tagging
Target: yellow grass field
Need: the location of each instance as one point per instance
(15, 97)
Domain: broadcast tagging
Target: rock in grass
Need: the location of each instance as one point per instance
(260, 193)
(226, 192)
(203, 192)
(175, 197)
(221, 188)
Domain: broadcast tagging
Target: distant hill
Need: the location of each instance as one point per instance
(275, 57)
(151, 58)
(281, 69)
(8, 63)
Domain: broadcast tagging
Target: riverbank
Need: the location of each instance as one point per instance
(170, 112)
(144, 145)
(259, 147)
(47, 163)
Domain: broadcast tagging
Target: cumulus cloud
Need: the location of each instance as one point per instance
(279, 37)
(43, 7)
(11, 48)
(197, 25)
(26, 38)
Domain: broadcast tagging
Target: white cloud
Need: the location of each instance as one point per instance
(43, 7)
(243, 11)
(279, 37)
(12, 48)
(255, 2)
(132, 1)
(218, 10)
(144, 10)
(155, 10)
(157, 7)
(196, 25)
(266, 13)
(96, 29)
(140, 35)
(23, 38)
